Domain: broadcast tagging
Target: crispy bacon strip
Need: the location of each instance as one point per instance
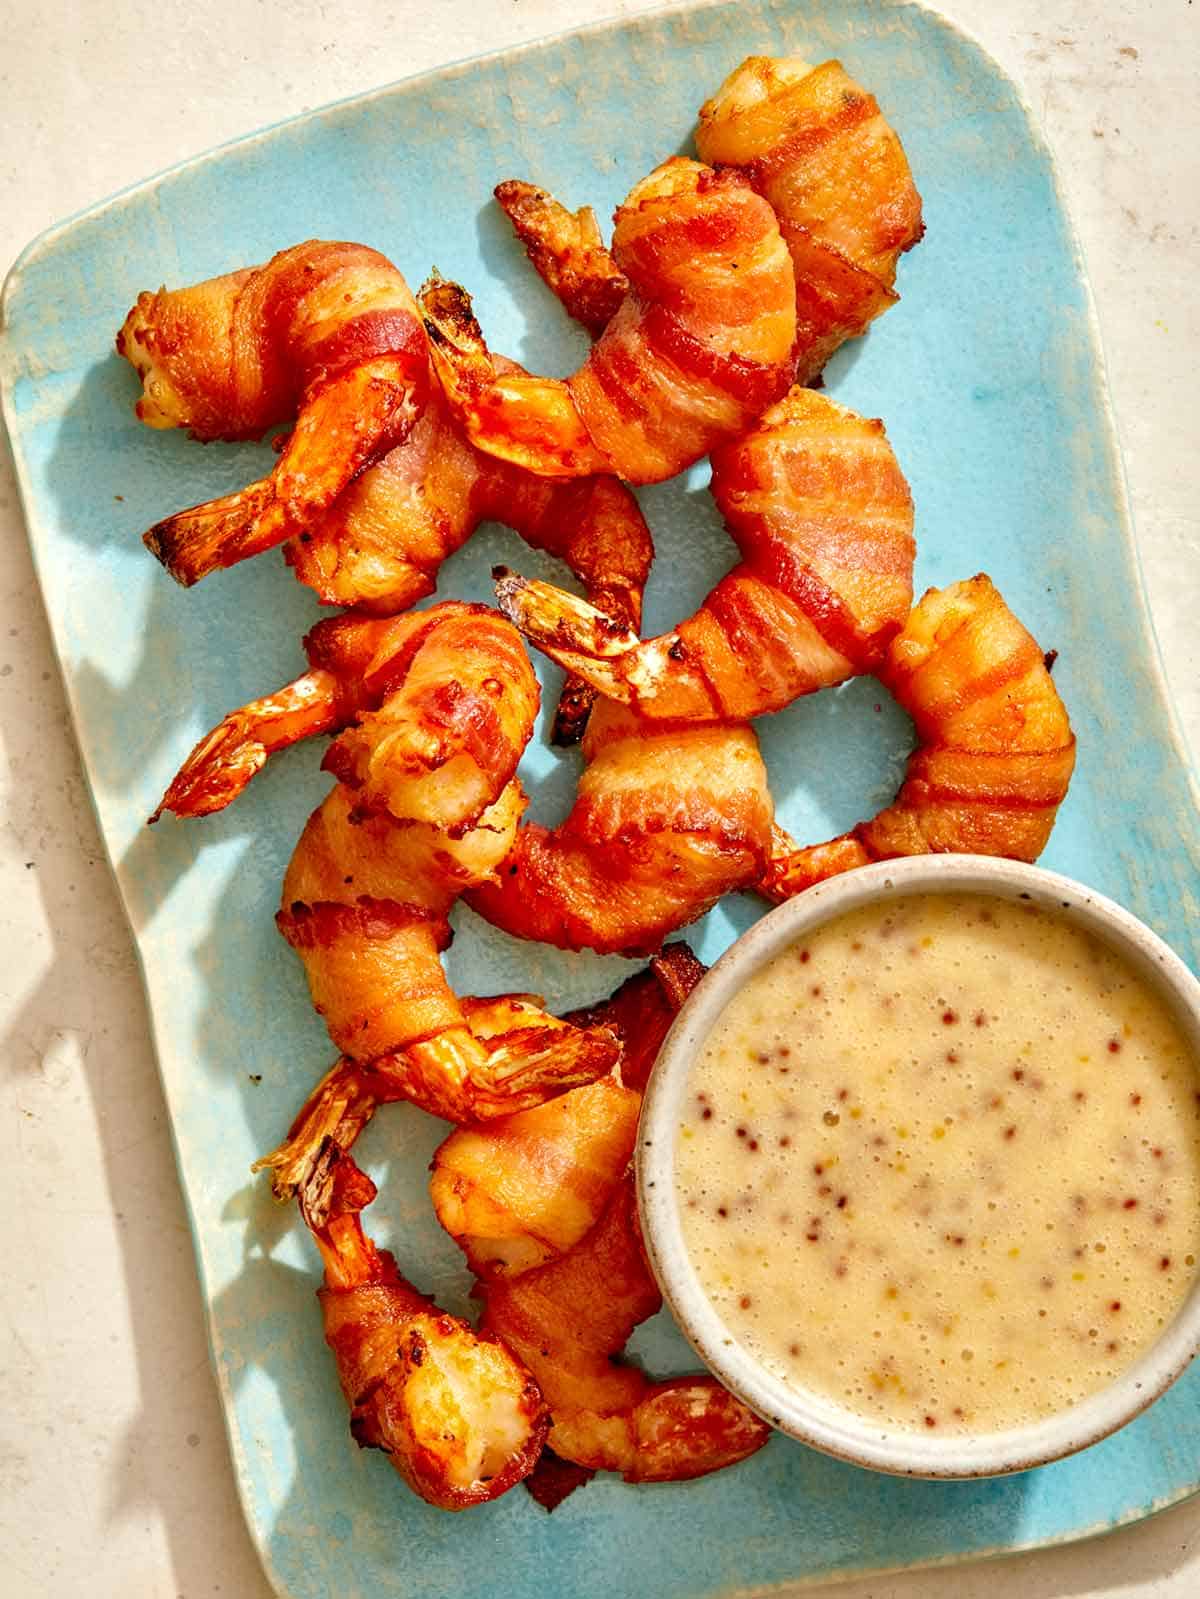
(817, 147)
(434, 708)
(527, 1188)
(667, 819)
(994, 754)
(567, 1319)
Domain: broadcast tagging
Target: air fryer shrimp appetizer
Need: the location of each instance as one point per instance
(822, 516)
(381, 544)
(542, 1206)
(326, 333)
(700, 346)
(994, 754)
(815, 145)
(459, 1417)
(446, 693)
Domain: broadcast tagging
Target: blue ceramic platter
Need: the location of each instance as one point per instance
(988, 376)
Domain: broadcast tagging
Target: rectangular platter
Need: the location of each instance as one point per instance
(989, 379)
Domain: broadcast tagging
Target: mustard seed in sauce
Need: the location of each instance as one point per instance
(956, 1236)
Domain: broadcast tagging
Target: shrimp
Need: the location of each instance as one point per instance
(820, 511)
(460, 1417)
(567, 1319)
(326, 332)
(700, 346)
(667, 819)
(526, 1189)
(994, 754)
(365, 903)
(529, 1054)
(542, 1206)
(444, 694)
(816, 146)
(380, 545)
(440, 707)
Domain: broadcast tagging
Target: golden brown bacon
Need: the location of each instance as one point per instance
(440, 706)
(994, 754)
(380, 547)
(365, 905)
(325, 332)
(815, 145)
(822, 515)
(667, 819)
(699, 347)
(460, 1418)
(567, 1319)
(542, 1206)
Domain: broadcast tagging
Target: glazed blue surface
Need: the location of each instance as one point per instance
(988, 378)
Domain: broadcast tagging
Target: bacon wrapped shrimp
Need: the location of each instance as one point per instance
(325, 333)
(700, 346)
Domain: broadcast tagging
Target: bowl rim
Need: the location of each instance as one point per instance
(803, 1414)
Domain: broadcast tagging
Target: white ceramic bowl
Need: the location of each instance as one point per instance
(812, 1417)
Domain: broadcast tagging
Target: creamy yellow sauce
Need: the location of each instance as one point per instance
(940, 1161)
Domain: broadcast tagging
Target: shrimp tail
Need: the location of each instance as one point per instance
(192, 544)
(567, 253)
(225, 759)
(581, 638)
(329, 1121)
(567, 1319)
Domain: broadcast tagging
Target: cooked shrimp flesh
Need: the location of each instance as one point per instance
(457, 1414)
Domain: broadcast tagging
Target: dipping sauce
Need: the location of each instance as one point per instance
(940, 1161)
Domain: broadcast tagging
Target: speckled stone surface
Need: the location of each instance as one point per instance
(114, 1429)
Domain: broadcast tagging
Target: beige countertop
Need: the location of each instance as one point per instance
(114, 1476)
